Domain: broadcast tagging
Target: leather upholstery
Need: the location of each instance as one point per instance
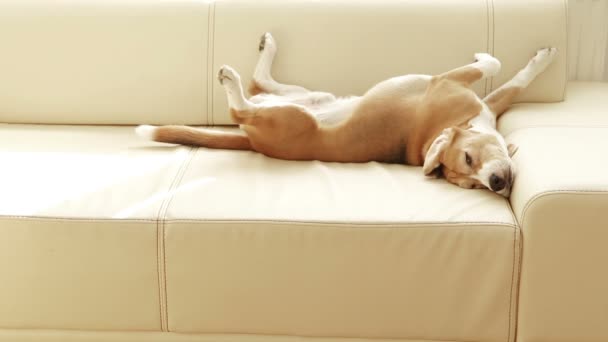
(584, 106)
(374, 40)
(79, 336)
(135, 236)
(78, 213)
(145, 61)
(296, 250)
(103, 62)
(560, 198)
(105, 237)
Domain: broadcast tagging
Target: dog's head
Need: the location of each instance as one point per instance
(472, 159)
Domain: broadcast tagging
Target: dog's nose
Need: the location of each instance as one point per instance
(497, 183)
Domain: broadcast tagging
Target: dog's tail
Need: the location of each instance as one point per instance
(185, 135)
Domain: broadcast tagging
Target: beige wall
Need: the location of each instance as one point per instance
(588, 36)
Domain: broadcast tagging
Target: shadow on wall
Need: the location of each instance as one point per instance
(588, 40)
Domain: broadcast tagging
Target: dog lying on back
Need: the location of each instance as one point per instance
(436, 122)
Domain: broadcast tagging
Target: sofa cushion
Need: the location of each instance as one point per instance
(134, 62)
(560, 198)
(146, 336)
(584, 106)
(346, 46)
(78, 237)
(265, 246)
(104, 62)
(114, 233)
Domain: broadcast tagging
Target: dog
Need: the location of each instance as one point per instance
(436, 122)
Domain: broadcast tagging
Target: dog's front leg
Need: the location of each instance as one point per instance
(240, 107)
(500, 99)
(263, 82)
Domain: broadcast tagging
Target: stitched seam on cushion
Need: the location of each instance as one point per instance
(565, 2)
(554, 126)
(159, 271)
(475, 225)
(493, 42)
(210, 63)
(513, 285)
(208, 79)
(160, 245)
(559, 191)
(269, 221)
(110, 333)
(519, 265)
(161, 232)
(485, 90)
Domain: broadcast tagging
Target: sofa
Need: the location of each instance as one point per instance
(107, 237)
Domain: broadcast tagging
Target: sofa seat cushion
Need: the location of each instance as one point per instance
(560, 198)
(78, 210)
(265, 246)
(84, 172)
(584, 106)
(558, 160)
(123, 234)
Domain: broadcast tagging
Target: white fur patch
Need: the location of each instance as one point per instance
(146, 131)
(231, 81)
(537, 64)
(488, 65)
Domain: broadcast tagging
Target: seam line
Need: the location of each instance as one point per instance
(207, 72)
(554, 192)
(513, 285)
(535, 127)
(162, 231)
(487, 42)
(493, 42)
(210, 63)
(567, 68)
(160, 242)
(348, 224)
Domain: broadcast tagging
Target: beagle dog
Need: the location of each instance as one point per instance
(436, 122)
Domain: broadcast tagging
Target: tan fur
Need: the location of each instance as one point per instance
(465, 75)
(201, 137)
(436, 122)
(446, 104)
(381, 127)
(499, 101)
(255, 88)
(387, 126)
(454, 166)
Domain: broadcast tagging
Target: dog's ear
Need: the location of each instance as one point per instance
(433, 157)
(512, 149)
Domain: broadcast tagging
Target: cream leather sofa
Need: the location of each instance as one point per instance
(106, 237)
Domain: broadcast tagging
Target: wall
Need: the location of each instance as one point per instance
(588, 36)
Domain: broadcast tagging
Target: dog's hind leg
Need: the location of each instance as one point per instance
(241, 108)
(500, 99)
(262, 78)
(484, 66)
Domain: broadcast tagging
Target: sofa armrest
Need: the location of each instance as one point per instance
(560, 200)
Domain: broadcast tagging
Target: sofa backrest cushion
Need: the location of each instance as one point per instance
(146, 61)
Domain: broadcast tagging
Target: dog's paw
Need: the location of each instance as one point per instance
(226, 75)
(482, 56)
(488, 64)
(267, 43)
(543, 57)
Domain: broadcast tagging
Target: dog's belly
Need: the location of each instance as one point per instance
(336, 111)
